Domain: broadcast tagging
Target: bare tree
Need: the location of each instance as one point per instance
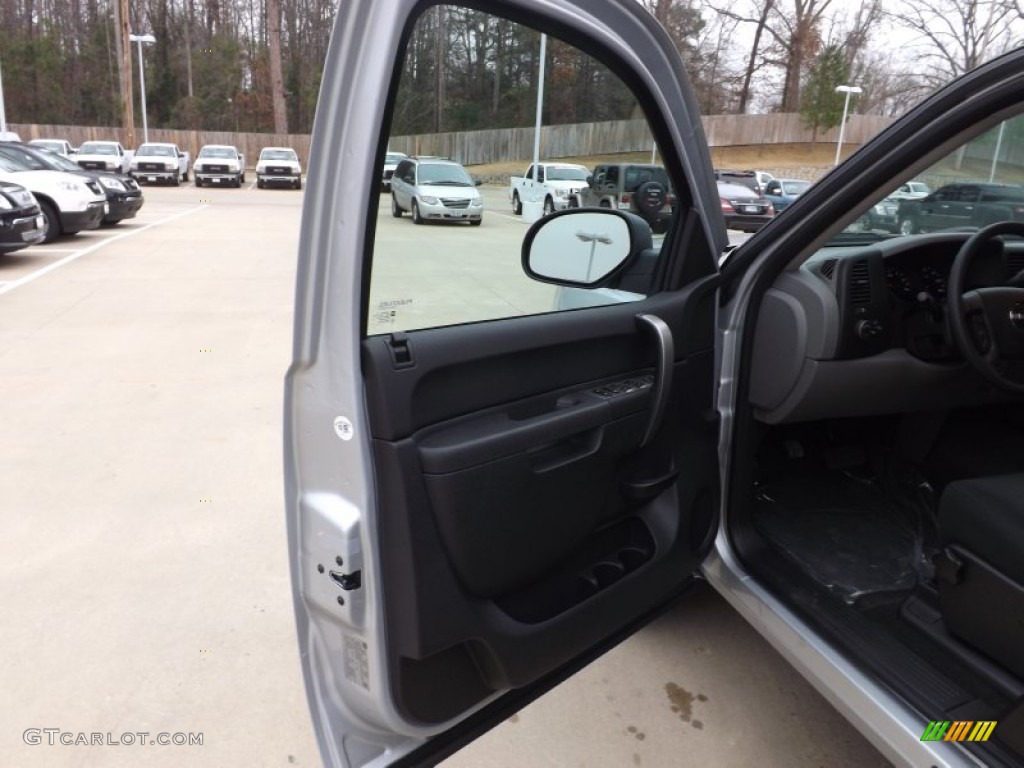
(955, 36)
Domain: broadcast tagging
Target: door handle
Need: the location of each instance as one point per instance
(662, 370)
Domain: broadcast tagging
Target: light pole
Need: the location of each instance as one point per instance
(3, 111)
(140, 39)
(847, 89)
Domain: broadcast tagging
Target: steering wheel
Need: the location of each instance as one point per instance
(987, 324)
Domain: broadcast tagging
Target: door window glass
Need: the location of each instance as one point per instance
(449, 234)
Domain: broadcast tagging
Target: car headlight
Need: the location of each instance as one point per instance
(233, 167)
(261, 169)
(112, 184)
(71, 186)
(561, 193)
(476, 203)
(429, 200)
(5, 204)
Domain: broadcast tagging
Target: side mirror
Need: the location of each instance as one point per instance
(583, 248)
(180, 153)
(590, 179)
(477, 182)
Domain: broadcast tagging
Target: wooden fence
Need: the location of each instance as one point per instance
(504, 144)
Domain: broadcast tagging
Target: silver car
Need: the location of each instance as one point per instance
(431, 189)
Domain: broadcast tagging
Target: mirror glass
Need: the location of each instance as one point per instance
(581, 247)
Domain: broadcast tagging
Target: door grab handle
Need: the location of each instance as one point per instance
(662, 371)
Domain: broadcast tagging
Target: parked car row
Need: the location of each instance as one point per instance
(67, 198)
(166, 163)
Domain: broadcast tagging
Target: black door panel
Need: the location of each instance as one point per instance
(520, 514)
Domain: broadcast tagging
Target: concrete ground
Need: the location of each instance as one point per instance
(142, 539)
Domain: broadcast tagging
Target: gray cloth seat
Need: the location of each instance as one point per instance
(980, 572)
(986, 515)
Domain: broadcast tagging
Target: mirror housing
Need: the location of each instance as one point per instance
(583, 247)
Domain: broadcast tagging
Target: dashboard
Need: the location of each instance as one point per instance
(861, 329)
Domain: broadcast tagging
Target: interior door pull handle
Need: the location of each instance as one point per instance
(662, 373)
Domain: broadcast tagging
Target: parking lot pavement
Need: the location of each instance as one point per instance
(142, 539)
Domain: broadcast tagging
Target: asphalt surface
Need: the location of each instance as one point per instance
(142, 538)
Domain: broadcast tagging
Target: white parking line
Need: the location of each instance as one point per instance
(4, 288)
(34, 249)
(508, 216)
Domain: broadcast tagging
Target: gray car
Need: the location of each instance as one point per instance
(484, 494)
(431, 189)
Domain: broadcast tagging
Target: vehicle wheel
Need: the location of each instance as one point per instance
(396, 209)
(199, 184)
(549, 206)
(517, 204)
(184, 176)
(415, 210)
(259, 183)
(574, 202)
(908, 227)
(241, 179)
(177, 180)
(476, 222)
(604, 204)
(238, 182)
(298, 183)
(51, 222)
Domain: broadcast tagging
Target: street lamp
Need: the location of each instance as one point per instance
(847, 89)
(140, 39)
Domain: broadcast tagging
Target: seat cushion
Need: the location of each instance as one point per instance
(985, 515)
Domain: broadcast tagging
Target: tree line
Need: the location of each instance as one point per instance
(256, 65)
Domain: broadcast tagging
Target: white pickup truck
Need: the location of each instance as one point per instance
(219, 164)
(104, 156)
(552, 186)
(157, 162)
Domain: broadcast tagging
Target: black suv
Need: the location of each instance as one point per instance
(961, 205)
(641, 189)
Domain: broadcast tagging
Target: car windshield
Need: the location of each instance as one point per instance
(93, 148)
(151, 150)
(444, 174)
(9, 166)
(795, 187)
(26, 160)
(978, 183)
(225, 152)
(53, 146)
(567, 174)
(46, 160)
(61, 163)
(278, 154)
(735, 191)
(393, 158)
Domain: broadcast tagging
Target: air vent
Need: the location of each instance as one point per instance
(860, 283)
(828, 268)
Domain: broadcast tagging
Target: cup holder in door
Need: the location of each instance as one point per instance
(607, 573)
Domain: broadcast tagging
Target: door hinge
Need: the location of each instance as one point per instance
(401, 351)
